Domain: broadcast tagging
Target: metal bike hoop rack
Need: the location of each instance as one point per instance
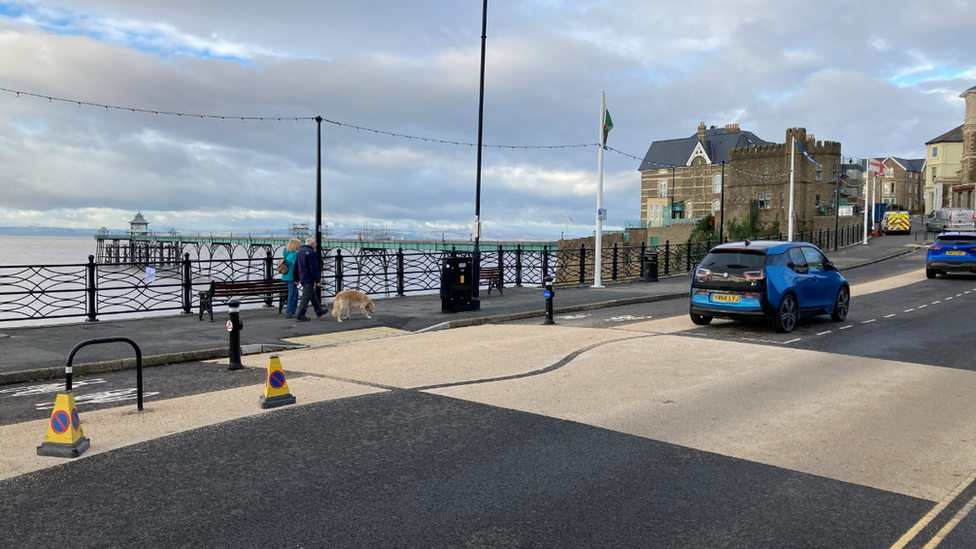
(87, 342)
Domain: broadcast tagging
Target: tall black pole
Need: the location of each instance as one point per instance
(721, 221)
(481, 129)
(318, 203)
(836, 206)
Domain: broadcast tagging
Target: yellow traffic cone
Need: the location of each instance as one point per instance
(276, 387)
(64, 436)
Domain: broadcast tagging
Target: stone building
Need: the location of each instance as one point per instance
(682, 178)
(759, 183)
(967, 171)
(902, 183)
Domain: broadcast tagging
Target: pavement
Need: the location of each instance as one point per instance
(40, 352)
(492, 435)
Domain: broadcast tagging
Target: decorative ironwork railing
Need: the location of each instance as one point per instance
(96, 290)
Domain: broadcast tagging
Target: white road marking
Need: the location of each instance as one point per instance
(867, 321)
(572, 317)
(936, 302)
(889, 316)
(48, 388)
(908, 310)
(922, 306)
(846, 327)
(947, 299)
(824, 333)
(625, 318)
(117, 395)
(791, 341)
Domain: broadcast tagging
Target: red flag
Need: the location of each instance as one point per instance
(875, 168)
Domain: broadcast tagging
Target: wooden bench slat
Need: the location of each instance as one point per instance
(264, 289)
(493, 276)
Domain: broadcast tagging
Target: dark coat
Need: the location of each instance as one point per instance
(307, 264)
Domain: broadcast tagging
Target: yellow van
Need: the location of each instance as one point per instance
(895, 223)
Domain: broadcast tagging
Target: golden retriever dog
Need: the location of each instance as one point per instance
(346, 299)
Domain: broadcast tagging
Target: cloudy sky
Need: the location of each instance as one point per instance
(881, 77)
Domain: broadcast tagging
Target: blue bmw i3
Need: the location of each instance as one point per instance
(780, 281)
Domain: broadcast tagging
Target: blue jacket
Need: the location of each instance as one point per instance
(290, 260)
(307, 264)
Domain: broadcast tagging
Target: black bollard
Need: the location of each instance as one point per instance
(234, 326)
(548, 294)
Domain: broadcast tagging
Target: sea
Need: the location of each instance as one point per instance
(45, 250)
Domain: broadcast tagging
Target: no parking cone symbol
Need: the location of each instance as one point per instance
(64, 436)
(275, 386)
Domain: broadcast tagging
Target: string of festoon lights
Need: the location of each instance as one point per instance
(156, 112)
(188, 115)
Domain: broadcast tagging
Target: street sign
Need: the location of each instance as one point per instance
(230, 326)
(601, 214)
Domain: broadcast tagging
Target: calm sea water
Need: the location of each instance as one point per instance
(45, 250)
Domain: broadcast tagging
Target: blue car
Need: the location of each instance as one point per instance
(780, 281)
(952, 251)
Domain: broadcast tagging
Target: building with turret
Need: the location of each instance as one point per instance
(967, 171)
(759, 183)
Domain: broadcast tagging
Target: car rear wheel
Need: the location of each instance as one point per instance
(786, 314)
(700, 320)
(842, 305)
(930, 273)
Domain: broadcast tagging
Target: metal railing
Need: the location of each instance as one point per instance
(92, 291)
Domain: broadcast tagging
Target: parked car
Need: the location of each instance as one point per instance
(780, 281)
(944, 219)
(896, 223)
(952, 251)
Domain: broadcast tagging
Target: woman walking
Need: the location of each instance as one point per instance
(289, 253)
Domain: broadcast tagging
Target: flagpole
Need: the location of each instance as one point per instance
(867, 176)
(792, 170)
(599, 197)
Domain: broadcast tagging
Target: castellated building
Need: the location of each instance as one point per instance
(759, 183)
(682, 179)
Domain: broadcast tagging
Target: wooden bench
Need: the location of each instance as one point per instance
(247, 291)
(493, 276)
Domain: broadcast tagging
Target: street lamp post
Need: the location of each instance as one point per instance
(475, 302)
(721, 225)
(836, 206)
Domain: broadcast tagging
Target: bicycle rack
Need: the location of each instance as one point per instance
(87, 342)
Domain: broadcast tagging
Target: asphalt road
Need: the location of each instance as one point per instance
(414, 468)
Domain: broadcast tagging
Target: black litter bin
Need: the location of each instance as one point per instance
(650, 267)
(457, 277)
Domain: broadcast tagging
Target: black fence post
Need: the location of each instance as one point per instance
(582, 271)
(545, 262)
(518, 265)
(667, 257)
(269, 275)
(338, 270)
(187, 285)
(688, 257)
(401, 290)
(501, 265)
(613, 273)
(91, 289)
(643, 252)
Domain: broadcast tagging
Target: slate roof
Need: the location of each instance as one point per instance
(675, 152)
(952, 136)
(916, 165)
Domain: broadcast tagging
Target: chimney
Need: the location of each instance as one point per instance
(731, 128)
(701, 133)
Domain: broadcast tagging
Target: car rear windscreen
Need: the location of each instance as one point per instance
(734, 259)
(956, 239)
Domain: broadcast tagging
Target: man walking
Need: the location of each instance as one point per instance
(307, 264)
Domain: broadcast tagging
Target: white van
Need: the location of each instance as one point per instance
(949, 218)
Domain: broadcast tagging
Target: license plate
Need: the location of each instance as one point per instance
(954, 252)
(725, 298)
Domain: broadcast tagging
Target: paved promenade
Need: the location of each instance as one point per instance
(508, 435)
(35, 353)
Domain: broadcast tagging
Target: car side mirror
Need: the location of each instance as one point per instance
(830, 266)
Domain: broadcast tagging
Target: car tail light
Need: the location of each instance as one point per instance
(750, 296)
(702, 292)
(755, 275)
(934, 247)
(702, 272)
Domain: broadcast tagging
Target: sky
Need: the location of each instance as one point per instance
(397, 84)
